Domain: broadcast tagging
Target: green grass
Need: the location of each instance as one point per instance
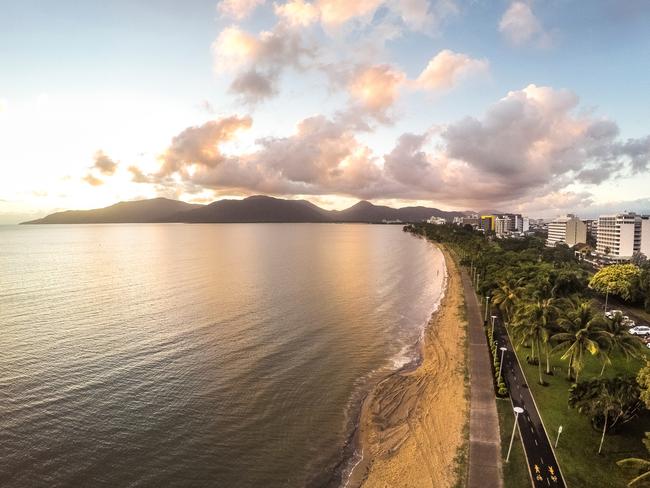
(577, 450)
(515, 472)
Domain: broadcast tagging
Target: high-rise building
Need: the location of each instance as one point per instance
(487, 223)
(619, 235)
(502, 225)
(567, 229)
(645, 236)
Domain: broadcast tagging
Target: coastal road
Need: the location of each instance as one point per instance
(541, 459)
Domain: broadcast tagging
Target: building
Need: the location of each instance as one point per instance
(436, 220)
(502, 225)
(567, 229)
(645, 236)
(487, 223)
(620, 235)
(472, 220)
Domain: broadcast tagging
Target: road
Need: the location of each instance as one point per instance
(541, 459)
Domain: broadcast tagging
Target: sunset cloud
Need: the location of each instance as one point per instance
(258, 61)
(447, 68)
(376, 88)
(297, 13)
(520, 25)
(92, 180)
(200, 145)
(104, 164)
(532, 142)
(238, 9)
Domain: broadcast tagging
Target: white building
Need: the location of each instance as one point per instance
(502, 225)
(619, 235)
(645, 236)
(436, 220)
(568, 229)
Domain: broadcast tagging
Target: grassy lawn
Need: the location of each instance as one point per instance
(515, 472)
(578, 446)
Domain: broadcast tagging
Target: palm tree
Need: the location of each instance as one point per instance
(619, 339)
(581, 335)
(641, 467)
(608, 400)
(534, 322)
(506, 296)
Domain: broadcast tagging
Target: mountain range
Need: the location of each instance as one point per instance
(257, 208)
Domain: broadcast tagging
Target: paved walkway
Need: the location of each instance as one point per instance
(484, 441)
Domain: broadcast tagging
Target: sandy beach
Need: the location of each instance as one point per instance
(411, 425)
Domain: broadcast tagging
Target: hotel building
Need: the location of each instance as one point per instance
(568, 229)
(622, 235)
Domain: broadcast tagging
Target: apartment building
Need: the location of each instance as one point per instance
(619, 235)
(567, 229)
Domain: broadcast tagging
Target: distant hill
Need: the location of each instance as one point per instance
(255, 209)
(367, 212)
(252, 209)
(138, 211)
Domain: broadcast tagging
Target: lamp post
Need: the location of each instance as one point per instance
(478, 277)
(487, 302)
(559, 431)
(606, 297)
(517, 410)
(503, 351)
(493, 317)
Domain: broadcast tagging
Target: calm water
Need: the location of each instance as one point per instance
(198, 355)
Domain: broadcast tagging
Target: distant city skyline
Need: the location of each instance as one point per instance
(539, 108)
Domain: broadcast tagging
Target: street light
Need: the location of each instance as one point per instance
(478, 277)
(487, 302)
(503, 351)
(494, 317)
(606, 297)
(517, 410)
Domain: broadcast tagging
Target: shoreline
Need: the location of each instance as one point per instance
(410, 425)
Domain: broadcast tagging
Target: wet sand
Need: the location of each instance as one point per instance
(411, 425)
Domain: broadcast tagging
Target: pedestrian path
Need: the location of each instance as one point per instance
(484, 441)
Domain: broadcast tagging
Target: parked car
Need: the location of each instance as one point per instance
(610, 314)
(642, 330)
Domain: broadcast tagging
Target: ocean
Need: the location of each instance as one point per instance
(222, 355)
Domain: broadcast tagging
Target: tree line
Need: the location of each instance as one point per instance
(545, 297)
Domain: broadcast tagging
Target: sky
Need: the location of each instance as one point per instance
(538, 107)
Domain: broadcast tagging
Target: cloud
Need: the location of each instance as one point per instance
(375, 89)
(520, 25)
(258, 61)
(526, 151)
(200, 145)
(92, 180)
(297, 13)
(104, 164)
(638, 152)
(238, 9)
(420, 15)
(447, 68)
(138, 176)
(337, 12)
(417, 15)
